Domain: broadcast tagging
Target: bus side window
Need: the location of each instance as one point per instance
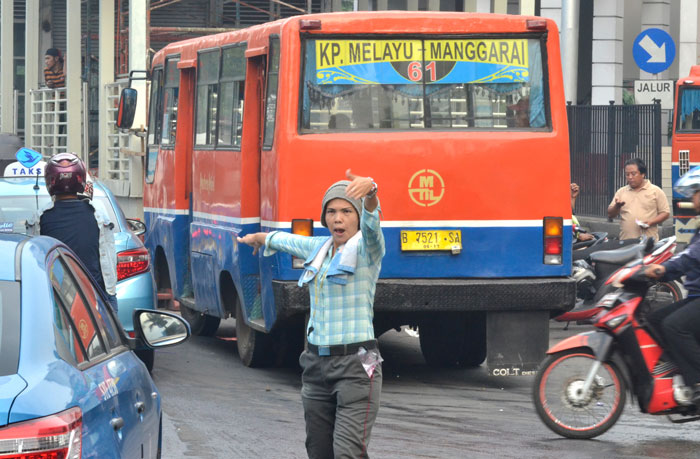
(207, 95)
(232, 84)
(154, 119)
(171, 93)
(271, 98)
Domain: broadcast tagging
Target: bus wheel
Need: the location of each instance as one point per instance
(164, 290)
(254, 348)
(201, 324)
(454, 340)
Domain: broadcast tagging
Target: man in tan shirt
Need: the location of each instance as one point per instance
(640, 204)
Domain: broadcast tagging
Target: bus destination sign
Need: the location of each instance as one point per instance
(421, 61)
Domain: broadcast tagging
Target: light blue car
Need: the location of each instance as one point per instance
(71, 387)
(21, 197)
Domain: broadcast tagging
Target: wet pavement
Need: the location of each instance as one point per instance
(214, 407)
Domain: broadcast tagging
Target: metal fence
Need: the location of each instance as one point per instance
(601, 139)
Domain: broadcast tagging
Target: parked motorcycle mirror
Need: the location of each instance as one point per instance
(127, 108)
(649, 246)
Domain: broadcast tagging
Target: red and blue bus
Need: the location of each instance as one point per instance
(460, 118)
(685, 148)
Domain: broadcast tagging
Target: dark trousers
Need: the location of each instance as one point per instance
(679, 325)
(340, 405)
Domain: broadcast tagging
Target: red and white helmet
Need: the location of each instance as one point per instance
(65, 174)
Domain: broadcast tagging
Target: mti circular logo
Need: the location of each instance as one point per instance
(426, 188)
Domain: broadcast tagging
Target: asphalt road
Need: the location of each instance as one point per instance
(214, 407)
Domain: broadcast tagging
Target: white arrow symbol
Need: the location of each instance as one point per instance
(657, 53)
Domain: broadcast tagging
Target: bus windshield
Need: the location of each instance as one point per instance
(689, 110)
(423, 83)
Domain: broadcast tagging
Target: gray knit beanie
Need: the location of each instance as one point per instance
(337, 190)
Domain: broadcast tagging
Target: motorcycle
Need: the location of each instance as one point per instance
(579, 247)
(592, 276)
(581, 387)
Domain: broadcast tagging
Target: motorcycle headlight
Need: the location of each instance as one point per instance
(615, 321)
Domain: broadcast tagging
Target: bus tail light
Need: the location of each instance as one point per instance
(310, 24)
(302, 227)
(536, 24)
(51, 437)
(132, 262)
(553, 240)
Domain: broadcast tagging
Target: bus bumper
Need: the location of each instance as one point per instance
(453, 295)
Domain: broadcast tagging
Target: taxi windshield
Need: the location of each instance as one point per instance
(9, 327)
(468, 82)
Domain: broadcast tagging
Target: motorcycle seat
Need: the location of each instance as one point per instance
(618, 256)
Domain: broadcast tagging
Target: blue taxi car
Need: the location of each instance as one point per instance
(22, 196)
(70, 386)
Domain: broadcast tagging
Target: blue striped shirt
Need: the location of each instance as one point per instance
(340, 313)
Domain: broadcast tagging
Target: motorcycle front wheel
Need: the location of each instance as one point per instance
(560, 403)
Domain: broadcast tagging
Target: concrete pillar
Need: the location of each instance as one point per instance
(33, 66)
(689, 37)
(138, 60)
(608, 32)
(551, 9)
(527, 7)
(7, 68)
(106, 75)
(72, 70)
(483, 6)
(569, 48)
(655, 14)
(500, 6)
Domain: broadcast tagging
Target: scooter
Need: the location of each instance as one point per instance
(592, 277)
(582, 384)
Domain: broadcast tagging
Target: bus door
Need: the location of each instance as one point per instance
(168, 175)
(250, 287)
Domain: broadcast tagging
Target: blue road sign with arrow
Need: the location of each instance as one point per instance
(654, 50)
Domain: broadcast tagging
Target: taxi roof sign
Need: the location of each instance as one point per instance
(17, 169)
(27, 157)
(29, 164)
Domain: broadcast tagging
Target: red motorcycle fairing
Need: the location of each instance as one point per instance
(661, 397)
(597, 341)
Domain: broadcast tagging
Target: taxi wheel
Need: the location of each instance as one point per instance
(256, 349)
(200, 324)
(147, 356)
(454, 340)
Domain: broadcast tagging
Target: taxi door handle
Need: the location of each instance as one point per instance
(117, 423)
(140, 407)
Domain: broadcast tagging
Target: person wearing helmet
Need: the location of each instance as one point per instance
(342, 377)
(74, 221)
(679, 323)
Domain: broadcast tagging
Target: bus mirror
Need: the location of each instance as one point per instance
(127, 108)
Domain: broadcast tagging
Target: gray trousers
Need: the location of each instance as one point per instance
(340, 405)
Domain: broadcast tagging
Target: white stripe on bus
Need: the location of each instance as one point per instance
(385, 223)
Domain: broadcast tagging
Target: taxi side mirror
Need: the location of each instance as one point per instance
(159, 328)
(137, 226)
(127, 108)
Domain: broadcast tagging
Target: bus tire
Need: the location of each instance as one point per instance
(256, 349)
(450, 340)
(162, 277)
(201, 324)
